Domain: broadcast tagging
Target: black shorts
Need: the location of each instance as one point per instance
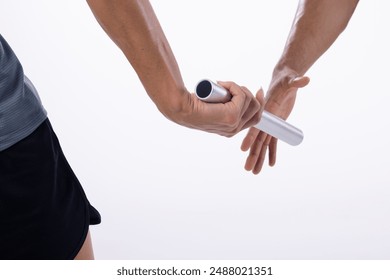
(44, 213)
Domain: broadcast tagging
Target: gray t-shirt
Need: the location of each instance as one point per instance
(21, 110)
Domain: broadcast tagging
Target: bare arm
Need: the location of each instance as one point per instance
(316, 26)
(134, 27)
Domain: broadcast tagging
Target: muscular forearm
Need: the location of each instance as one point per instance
(316, 26)
(133, 26)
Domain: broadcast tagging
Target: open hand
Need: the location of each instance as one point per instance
(280, 102)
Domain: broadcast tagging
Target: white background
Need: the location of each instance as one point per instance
(168, 192)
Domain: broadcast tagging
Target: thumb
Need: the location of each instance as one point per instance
(260, 97)
(299, 82)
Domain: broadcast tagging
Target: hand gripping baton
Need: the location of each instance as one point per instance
(211, 92)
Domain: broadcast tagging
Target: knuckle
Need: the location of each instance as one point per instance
(254, 153)
(236, 130)
(245, 90)
(232, 120)
(227, 134)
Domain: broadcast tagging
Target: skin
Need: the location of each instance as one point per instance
(316, 26)
(135, 29)
(86, 251)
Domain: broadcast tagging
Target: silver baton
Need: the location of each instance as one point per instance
(211, 92)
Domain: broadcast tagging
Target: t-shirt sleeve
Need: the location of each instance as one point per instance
(11, 72)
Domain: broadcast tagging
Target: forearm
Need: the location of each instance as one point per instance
(134, 27)
(316, 26)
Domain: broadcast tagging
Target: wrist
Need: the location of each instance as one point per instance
(281, 89)
(177, 107)
(284, 69)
